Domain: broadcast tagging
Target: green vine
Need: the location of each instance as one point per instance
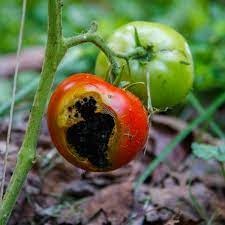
(56, 48)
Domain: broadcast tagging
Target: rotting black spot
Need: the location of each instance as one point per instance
(70, 109)
(90, 137)
(86, 109)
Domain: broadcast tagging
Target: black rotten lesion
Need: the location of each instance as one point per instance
(89, 137)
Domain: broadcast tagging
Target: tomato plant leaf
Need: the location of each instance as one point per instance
(207, 152)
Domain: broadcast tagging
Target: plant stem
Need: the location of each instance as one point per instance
(99, 42)
(169, 148)
(26, 157)
(92, 37)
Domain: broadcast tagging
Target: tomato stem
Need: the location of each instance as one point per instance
(27, 153)
(93, 37)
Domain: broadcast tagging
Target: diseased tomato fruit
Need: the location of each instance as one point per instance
(95, 125)
(168, 62)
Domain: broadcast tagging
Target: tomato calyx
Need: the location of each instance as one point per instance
(140, 52)
(147, 53)
(93, 130)
(147, 57)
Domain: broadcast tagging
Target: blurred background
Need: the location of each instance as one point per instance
(47, 201)
(201, 22)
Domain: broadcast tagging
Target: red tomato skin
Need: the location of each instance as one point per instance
(130, 117)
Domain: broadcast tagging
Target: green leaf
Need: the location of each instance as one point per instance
(208, 152)
(137, 39)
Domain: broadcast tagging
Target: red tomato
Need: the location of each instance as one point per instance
(95, 125)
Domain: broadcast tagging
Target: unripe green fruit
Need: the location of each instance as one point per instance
(168, 62)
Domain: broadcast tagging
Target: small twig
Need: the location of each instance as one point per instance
(13, 97)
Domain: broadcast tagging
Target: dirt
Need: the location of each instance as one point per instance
(182, 191)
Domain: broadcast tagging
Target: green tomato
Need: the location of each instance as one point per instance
(168, 63)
